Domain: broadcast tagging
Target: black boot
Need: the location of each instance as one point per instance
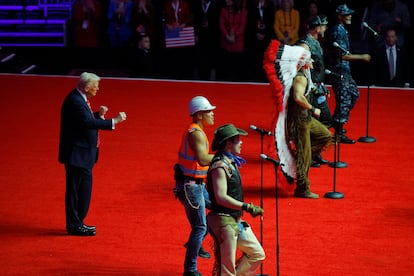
(202, 252)
(315, 164)
(340, 133)
(319, 160)
(345, 140)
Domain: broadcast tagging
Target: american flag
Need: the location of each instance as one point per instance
(177, 38)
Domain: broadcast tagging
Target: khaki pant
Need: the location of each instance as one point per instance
(230, 235)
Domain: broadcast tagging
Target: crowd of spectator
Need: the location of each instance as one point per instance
(230, 36)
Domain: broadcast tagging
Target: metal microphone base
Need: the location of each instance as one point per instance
(334, 195)
(338, 164)
(366, 139)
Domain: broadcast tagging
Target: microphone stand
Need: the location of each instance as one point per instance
(366, 138)
(276, 166)
(336, 163)
(262, 133)
(334, 194)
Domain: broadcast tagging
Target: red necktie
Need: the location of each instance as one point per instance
(90, 108)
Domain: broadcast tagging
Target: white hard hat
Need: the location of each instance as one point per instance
(199, 103)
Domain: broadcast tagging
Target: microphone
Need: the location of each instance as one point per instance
(267, 158)
(365, 24)
(329, 72)
(335, 44)
(261, 131)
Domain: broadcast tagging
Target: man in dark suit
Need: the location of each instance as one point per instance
(142, 62)
(78, 149)
(206, 28)
(391, 63)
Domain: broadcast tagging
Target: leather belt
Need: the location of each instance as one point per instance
(198, 181)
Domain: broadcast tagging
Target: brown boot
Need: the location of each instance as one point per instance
(306, 194)
(303, 191)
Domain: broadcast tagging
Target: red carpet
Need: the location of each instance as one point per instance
(142, 228)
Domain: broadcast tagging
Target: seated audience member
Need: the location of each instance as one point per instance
(119, 23)
(287, 21)
(178, 60)
(232, 24)
(312, 11)
(145, 20)
(86, 18)
(259, 32)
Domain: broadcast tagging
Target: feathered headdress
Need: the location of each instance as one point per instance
(281, 64)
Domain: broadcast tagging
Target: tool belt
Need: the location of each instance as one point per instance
(179, 176)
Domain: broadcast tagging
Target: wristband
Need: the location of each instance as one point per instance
(244, 206)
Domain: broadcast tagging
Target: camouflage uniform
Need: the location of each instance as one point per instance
(318, 95)
(345, 89)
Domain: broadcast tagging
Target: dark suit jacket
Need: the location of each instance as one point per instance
(382, 77)
(141, 64)
(79, 132)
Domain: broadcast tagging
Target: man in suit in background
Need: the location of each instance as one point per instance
(141, 61)
(391, 63)
(78, 149)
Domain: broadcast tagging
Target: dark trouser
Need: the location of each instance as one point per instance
(346, 95)
(78, 195)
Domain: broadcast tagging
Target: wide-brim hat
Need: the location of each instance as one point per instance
(343, 10)
(225, 132)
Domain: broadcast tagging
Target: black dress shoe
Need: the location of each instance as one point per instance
(81, 231)
(339, 129)
(320, 160)
(90, 227)
(192, 273)
(315, 164)
(203, 254)
(345, 140)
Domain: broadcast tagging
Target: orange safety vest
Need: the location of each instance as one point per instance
(186, 156)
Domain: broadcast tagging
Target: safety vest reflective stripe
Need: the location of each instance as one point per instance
(194, 173)
(186, 157)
